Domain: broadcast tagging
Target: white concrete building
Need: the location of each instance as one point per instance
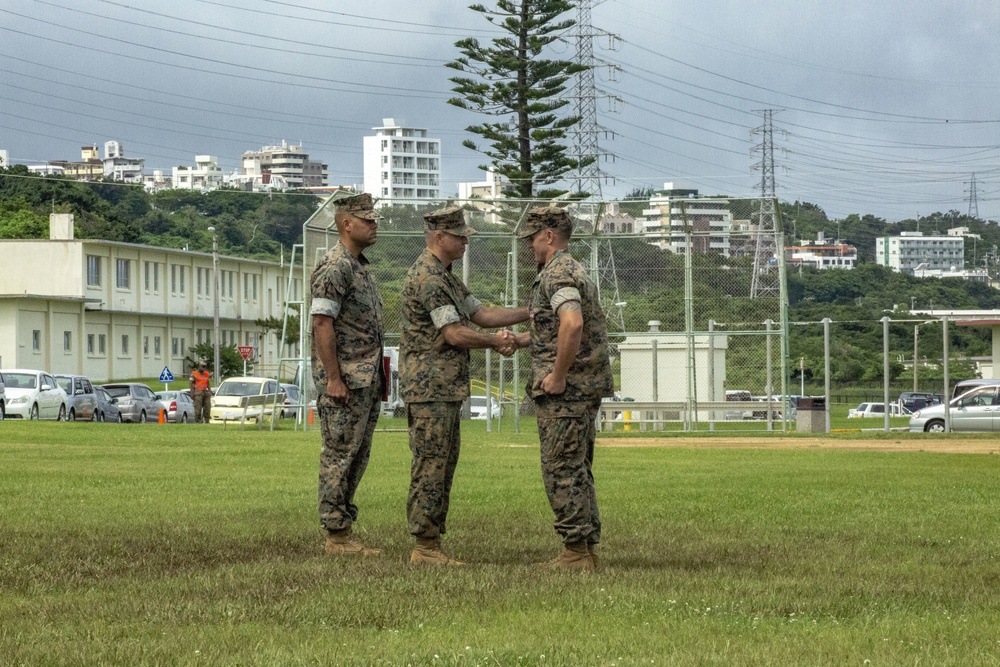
(205, 175)
(113, 310)
(117, 167)
(710, 221)
(906, 252)
(822, 255)
(401, 163)
(4, 158)
(289, 163)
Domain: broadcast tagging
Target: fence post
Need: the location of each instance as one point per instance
(947, 380)
(826, 368)
(656, 364)
(711, 372)
(770, 376)
(885, 369)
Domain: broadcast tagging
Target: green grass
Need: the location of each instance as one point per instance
(190, 545)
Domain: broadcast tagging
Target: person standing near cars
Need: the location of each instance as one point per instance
(347, 369)
(570, 373)
(436, 337)
(199, 384)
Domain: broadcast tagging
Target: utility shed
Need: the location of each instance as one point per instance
(666, 379)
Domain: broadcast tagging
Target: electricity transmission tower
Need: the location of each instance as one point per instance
(765, 242)
(973, 199)
(587, 150)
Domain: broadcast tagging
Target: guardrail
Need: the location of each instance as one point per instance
(656, 415)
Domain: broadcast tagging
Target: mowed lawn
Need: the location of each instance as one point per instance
(190, 545)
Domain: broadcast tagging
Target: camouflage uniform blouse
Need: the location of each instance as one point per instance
(430, 368)
(343, 288)
(562, 279)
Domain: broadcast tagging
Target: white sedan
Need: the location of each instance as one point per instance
(33, 394)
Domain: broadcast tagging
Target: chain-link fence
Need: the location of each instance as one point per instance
(693, 291)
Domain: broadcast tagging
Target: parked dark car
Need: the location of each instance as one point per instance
(107, 406)
(137, 402)
(918, 400)
(80, 397)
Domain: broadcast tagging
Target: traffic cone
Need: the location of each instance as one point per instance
(312, 417)
(162, 419)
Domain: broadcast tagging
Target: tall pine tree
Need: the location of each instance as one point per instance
(509, 79)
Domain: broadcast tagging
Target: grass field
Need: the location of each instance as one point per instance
(126, 545)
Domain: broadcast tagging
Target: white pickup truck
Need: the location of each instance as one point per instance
(877, 410)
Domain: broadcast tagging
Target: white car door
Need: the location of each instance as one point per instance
(975, 410)
(49, 398)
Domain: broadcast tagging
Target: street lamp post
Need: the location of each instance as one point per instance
(215, 304)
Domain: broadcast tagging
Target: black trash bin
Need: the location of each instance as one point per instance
(810, 414)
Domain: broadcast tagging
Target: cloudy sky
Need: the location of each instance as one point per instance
(884, 107)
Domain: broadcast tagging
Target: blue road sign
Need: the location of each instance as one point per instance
(166, 375)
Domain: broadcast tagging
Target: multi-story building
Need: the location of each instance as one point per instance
(672, 210)
(290, 164)
(401, 163)
(89, 168)
(613, 221)
(822, 255)
(114, 310)
(205, 175)
(117, 167)
(4, 158)
(910, 250)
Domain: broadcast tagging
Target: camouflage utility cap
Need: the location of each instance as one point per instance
(360, 206)
(450, 219)
(546, 217)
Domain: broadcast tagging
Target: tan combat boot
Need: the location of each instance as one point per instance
(428, 552)
(343, 543)
(574, 558)
(592, 550)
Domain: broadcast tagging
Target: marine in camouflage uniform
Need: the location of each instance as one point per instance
(347, 368)
(436, 337)
(566, 386)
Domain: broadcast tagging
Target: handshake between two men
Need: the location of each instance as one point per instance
(505, 343)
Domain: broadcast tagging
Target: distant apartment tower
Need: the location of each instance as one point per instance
(90, 167)
(4, 158)
(908, 251)
(402, 163)
(821, 254)
(205, 175)
(670, 209)
(288, 163)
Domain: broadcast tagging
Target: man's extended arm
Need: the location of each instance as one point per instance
(497, 316)
(459, 335)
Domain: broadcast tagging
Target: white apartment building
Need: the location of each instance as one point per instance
(910, 250)
(113, 310)
(205, 175)
(401, 163)
(117, 167)
(822, 255)
(289, 164)
(710, 221)
(4, 158)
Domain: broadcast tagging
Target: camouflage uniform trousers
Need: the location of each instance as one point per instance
(434, 442)
(202, 405)
(347, 443)
(567, 431)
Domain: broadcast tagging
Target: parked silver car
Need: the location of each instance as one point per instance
(976, 410)
(3, 399)
(80, 397)
(178, 404)
(137, 402)
(107, 406)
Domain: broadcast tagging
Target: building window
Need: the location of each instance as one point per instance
(198, 283)
(173, 347)
(246, 287)
(67, 341)
(181, 271)
(36, 340)
(125, 345)
(156, 278)
(198, 336)
(156, 346)
(145, 346)
(147, 276)
(173, 279)
(123, 278)
(93, 271)
(90, 343)
(101, 344)
(231, 285)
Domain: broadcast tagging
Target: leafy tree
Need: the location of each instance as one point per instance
(229, 359)
(510, 79)
(274, 324)
(19, 221)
